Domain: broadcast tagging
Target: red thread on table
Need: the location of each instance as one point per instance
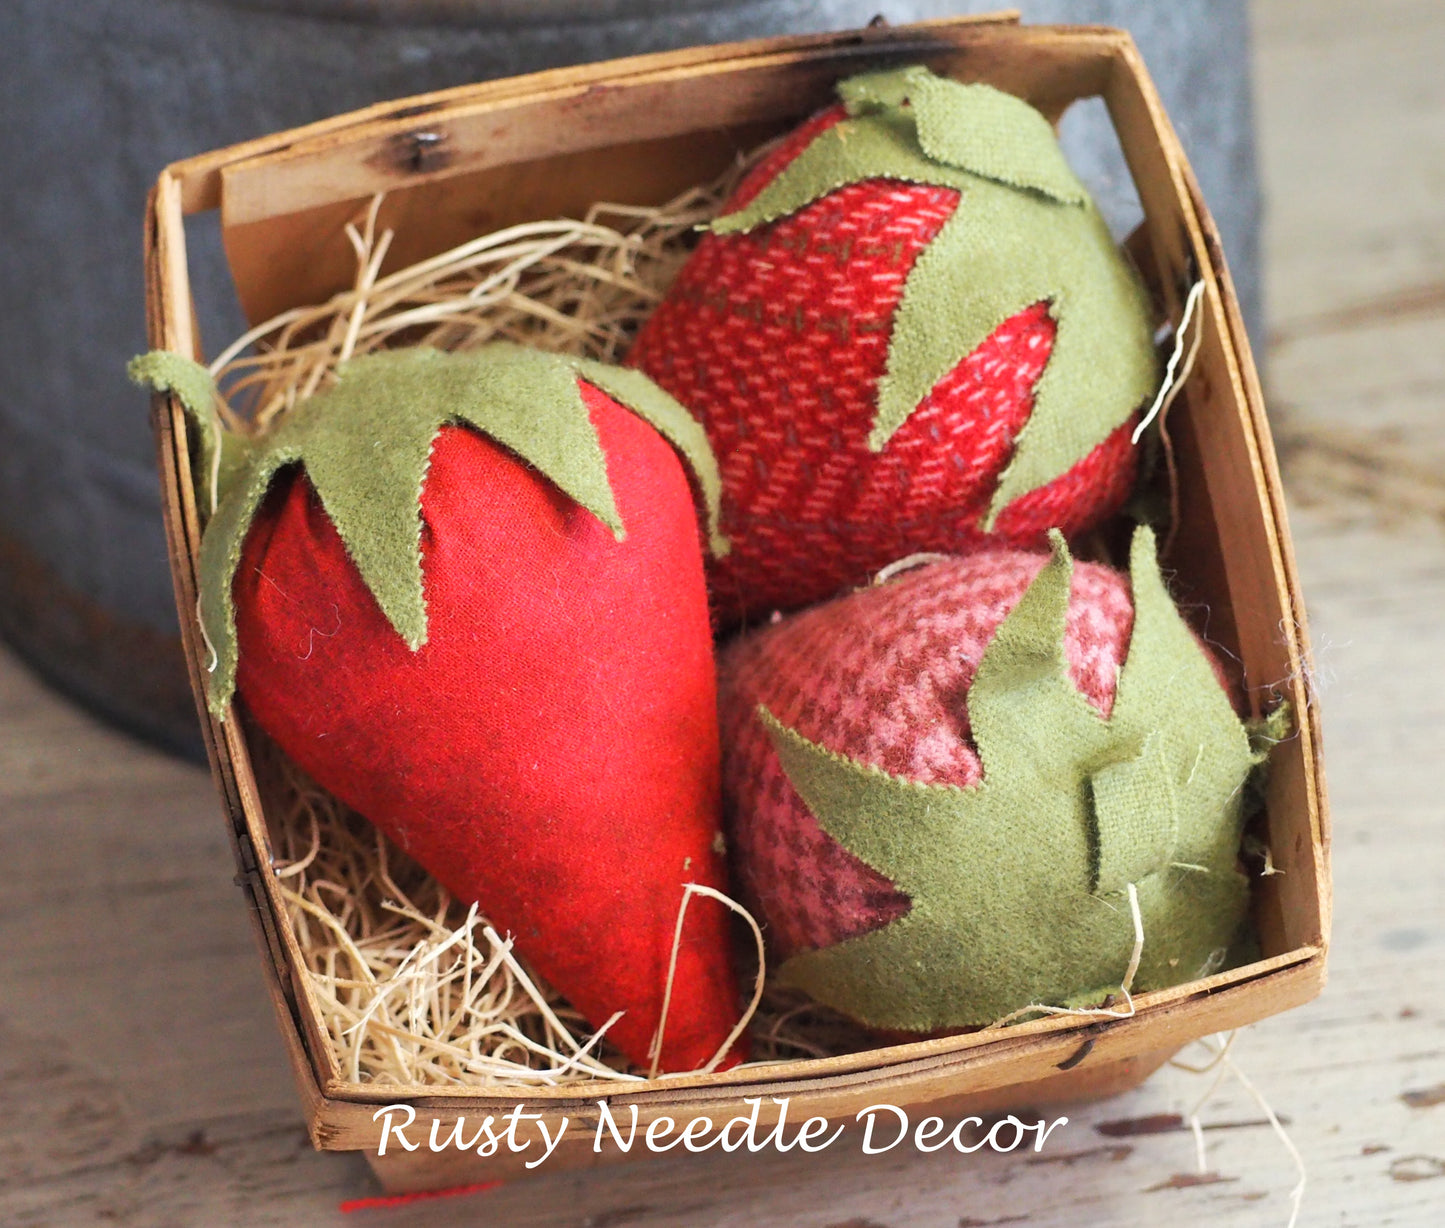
(401, 1200)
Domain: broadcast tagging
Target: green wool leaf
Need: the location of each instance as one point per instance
(999, 253)
(365, 445)
(1018, 884)
(1136, 816)
(882, 145)
(883, 90)
(1270, 730)
(973, 127)
(668, 417)
(223, 453)
(1024, 232)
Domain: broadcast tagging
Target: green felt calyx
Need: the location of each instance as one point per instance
(365, 444)
(1019, 884)
(1025, 231)
(223, 453)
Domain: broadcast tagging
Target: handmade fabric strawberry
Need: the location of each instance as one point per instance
(941, 788)
(908, 330)
(465, 593)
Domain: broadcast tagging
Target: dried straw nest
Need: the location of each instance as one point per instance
(413, 987)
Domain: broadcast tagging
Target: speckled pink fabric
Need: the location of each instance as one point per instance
(881, 675)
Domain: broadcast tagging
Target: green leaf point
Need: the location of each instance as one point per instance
(223, 454)
(674, 423)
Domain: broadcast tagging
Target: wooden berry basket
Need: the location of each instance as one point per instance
(473, 159)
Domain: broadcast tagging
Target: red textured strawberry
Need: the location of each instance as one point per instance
(908, 330)
(942, 790)
(465, 593)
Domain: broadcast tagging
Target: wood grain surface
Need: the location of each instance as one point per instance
(141, 1078)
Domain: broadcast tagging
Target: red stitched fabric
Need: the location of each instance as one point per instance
(882, 676)
(551, 752)
(776, 341)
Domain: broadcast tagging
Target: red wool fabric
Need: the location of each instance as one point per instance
(881, 676)
(776, 341)
(551, 751)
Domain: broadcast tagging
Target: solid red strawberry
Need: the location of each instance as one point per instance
(497, 648)
(783, 332)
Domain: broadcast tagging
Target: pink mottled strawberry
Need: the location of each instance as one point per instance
(949, 795)
(881, 676)
(908, 330)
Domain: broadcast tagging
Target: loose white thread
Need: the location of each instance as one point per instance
(908, 564)
(1166, 389)
(1125, 986)
(215, 658)
(654, 1051)
(1221, 1059)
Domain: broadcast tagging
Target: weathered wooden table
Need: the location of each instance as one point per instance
(141, 1080)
